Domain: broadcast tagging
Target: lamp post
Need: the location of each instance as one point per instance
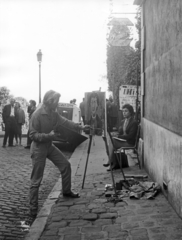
(39, 59)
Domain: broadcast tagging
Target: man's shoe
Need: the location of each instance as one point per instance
(106, 164)
(113, 168)
(71, 195)
(11, 146)
(27, 147)
(3, 146)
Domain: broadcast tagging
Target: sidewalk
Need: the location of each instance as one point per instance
(92, 217)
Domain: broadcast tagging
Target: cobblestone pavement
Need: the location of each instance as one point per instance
(95, 217)
(15, 169)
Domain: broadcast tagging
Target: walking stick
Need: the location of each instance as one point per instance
(112, 176)
(88, 152)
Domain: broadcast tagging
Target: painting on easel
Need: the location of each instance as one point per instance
(95, 111)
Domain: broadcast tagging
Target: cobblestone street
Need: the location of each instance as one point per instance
(14, 186)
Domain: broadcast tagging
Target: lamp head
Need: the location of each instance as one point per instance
(39, 56)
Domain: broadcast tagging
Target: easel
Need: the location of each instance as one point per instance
(107, 151)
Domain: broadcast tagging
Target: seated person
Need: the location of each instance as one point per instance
(127, 131)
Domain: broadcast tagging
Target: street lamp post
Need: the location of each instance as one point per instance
(39, 59)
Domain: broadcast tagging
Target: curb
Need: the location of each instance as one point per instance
(39, 224)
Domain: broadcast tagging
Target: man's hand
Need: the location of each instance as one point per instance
(85, 127)
(53, 135)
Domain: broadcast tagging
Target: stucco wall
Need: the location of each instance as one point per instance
(163, 160)
(163, 63)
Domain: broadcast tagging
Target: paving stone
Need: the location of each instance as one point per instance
(112, 228)
(60, 209)
(50, 238)
(71, 217)
(130, 225)
(57, 225)
(139, 234)
(97, 193)
(81, 202)
(139, 218)
(160, 216)
(99, 210)
(121, 204)
(109, 204)
(90, 216)
(90, 229)
(76, 223)
(72, 237)
(81, 206)
(160, 237)
(126, 213)
(68, 230)
(148, 224)
(121, 220)
(52, 232)
(102, 222)
(108, 215)
(95, 235)
(57, 218)
(145, 211)
(65, 204)
(92, 206)
(119, 234)
(115, 209)
(157, 230)
(100, 200)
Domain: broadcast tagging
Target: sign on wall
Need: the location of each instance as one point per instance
(128, 94)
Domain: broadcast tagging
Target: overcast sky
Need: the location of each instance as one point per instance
(72, 37)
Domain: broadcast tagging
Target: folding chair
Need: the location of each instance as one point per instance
(115, 152)
(135, 147)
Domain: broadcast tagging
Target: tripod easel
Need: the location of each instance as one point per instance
(107, 151)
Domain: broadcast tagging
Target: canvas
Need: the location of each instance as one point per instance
(95, 111)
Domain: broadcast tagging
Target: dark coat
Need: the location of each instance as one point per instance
(6, 112)
(131, 131)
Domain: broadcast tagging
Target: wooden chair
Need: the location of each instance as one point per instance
(115, 152)
(135, 147)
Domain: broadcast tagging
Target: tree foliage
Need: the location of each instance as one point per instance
(123, 63)
(4, 95)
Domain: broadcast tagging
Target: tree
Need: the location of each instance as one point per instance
(123, 62)
(4, 95)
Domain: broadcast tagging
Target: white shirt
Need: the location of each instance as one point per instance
(12, 114)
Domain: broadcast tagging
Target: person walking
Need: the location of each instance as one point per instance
(30, 110)
(20, 119)
(10, 123)
(82, 108)
(43, 125)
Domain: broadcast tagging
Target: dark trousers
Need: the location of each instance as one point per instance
(29, 140)
(39, 153)
(10, 130)
(83, 118)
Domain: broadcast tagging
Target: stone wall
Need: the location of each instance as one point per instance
(163, 161)
(162, 122)
(163, 63)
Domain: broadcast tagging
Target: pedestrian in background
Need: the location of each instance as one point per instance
(82, 108)
(30, 110)
(10, 123)
(43, 125)
(74, 101)
(20, 120)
